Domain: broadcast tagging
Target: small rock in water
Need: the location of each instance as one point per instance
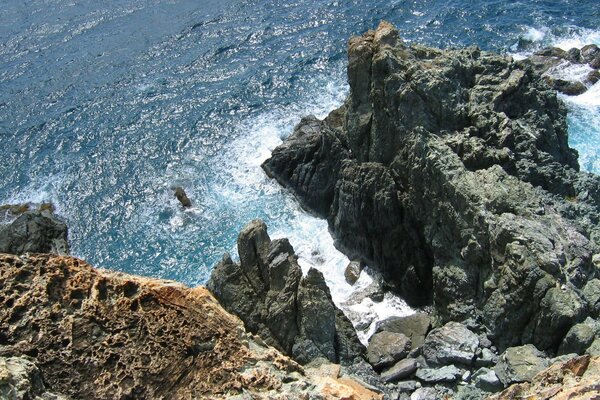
(352, 272)
(182, 197)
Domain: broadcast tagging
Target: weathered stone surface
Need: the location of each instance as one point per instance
(34, 232)
(486, 379)
(448, 373)
(402, 369)
(20, 379)
(425, 393)
(451, 173)
(576, 379)
(520, 364)
(486, 358)
(408, 386)
(352, 272)
(93, 334)
(577, 340)
(594, 348)
(452, 343)
(591, 293)
(385, 348)
(267, 291)
(415, 326)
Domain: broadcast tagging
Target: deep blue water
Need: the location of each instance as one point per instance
(104, 106)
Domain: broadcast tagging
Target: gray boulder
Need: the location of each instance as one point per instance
(520, 364)
(288, 311)
(34, 232)
(415, 326)
(452, 343)
(385, 348)
(577, 340)
(591, 293)
(448, 373)
(594, 348)
(402, 369)
(487, 380)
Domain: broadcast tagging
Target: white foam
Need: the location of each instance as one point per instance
(571, 72)
(535, 34)
(577, 39)
(589, 99)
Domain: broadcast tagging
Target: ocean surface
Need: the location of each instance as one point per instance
(105, 106)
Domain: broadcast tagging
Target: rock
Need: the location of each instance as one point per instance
(293, 313)
(594, 348)
(452, 343)
(574, 379)
(407, 386)
(402, 369)
(20, 378)
(486, 358)
(589, 52)
(592, 77)
(570, 88)
(34, 232)
(486, 379)
(449, 373)
(577, 340)
(415, 326)
(352, 272)
(385, 348)
(520, 364)
(425, 393)
(452, 175)
(182, 197)
(591, 294)
(468, 392)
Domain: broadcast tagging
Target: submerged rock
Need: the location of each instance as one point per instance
(293, 313)
(34, 232)
(451, 173)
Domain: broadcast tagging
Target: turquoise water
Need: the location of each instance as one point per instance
(104, 106)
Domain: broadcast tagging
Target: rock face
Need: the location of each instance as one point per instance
(68, 328)
(34, 232)
(449, 170)
(520, 364)
(452, 343)
(293, 313)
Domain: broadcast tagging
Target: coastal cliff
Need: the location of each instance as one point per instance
(450, 171)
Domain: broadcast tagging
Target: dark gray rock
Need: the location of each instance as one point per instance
(20, 378)
(402, 369)
(182, 197)
(452, 343)
(34, 232)
(408, 386)
(450, 172)
(577, 340)
(591, 293)
(415, 326)
(589, 52)
(486, 379)
(486, 358)
(292, 313)
(385, 348)
(469, 392)
(520, 364)
(448, 373)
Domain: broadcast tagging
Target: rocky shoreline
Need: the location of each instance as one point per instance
(448, 171)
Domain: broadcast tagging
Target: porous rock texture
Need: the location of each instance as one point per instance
(450, 171)
(93, 334)
(290, 312)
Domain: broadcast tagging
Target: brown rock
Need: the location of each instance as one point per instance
(182, 197)
(352, 272)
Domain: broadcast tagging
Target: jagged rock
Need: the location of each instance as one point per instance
(267, 291)
(415, 326)
(385, 348)
(589, 52)
(352, 272)
(452, 175)
(575, 379)
(486, 358)
(594, 348)
(520, 364)
(20, 379)
(448, 373)
(591, 293)
(452, 343)
(34, 232)
(577, 340)
(402, 369)
(182, 197)
(486, 379)
(100, 335)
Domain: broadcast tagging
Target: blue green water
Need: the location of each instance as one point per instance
(104, 106)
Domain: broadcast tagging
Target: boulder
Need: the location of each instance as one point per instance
(448, 373)
(425, 393)
(288, 311)
(577, 340)
(594, 348)
(385, 348)
(591, 294)
(34, 232)
(402, 369)
(452, 343)
(450, 172)
(352, 272)
(415, 326)
(486, 379)
(182, 197)
(520, 364)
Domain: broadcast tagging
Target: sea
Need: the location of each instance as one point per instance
(105, 106)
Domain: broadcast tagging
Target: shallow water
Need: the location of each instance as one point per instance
(104, 106)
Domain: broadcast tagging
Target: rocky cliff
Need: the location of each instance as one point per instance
(450, 171)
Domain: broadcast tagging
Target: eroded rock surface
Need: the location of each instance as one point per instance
(450, 171)
(290, 312)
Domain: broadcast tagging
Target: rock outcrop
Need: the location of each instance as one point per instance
(34, 232)
(90, 334)
(290, 312)
(450, 171)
